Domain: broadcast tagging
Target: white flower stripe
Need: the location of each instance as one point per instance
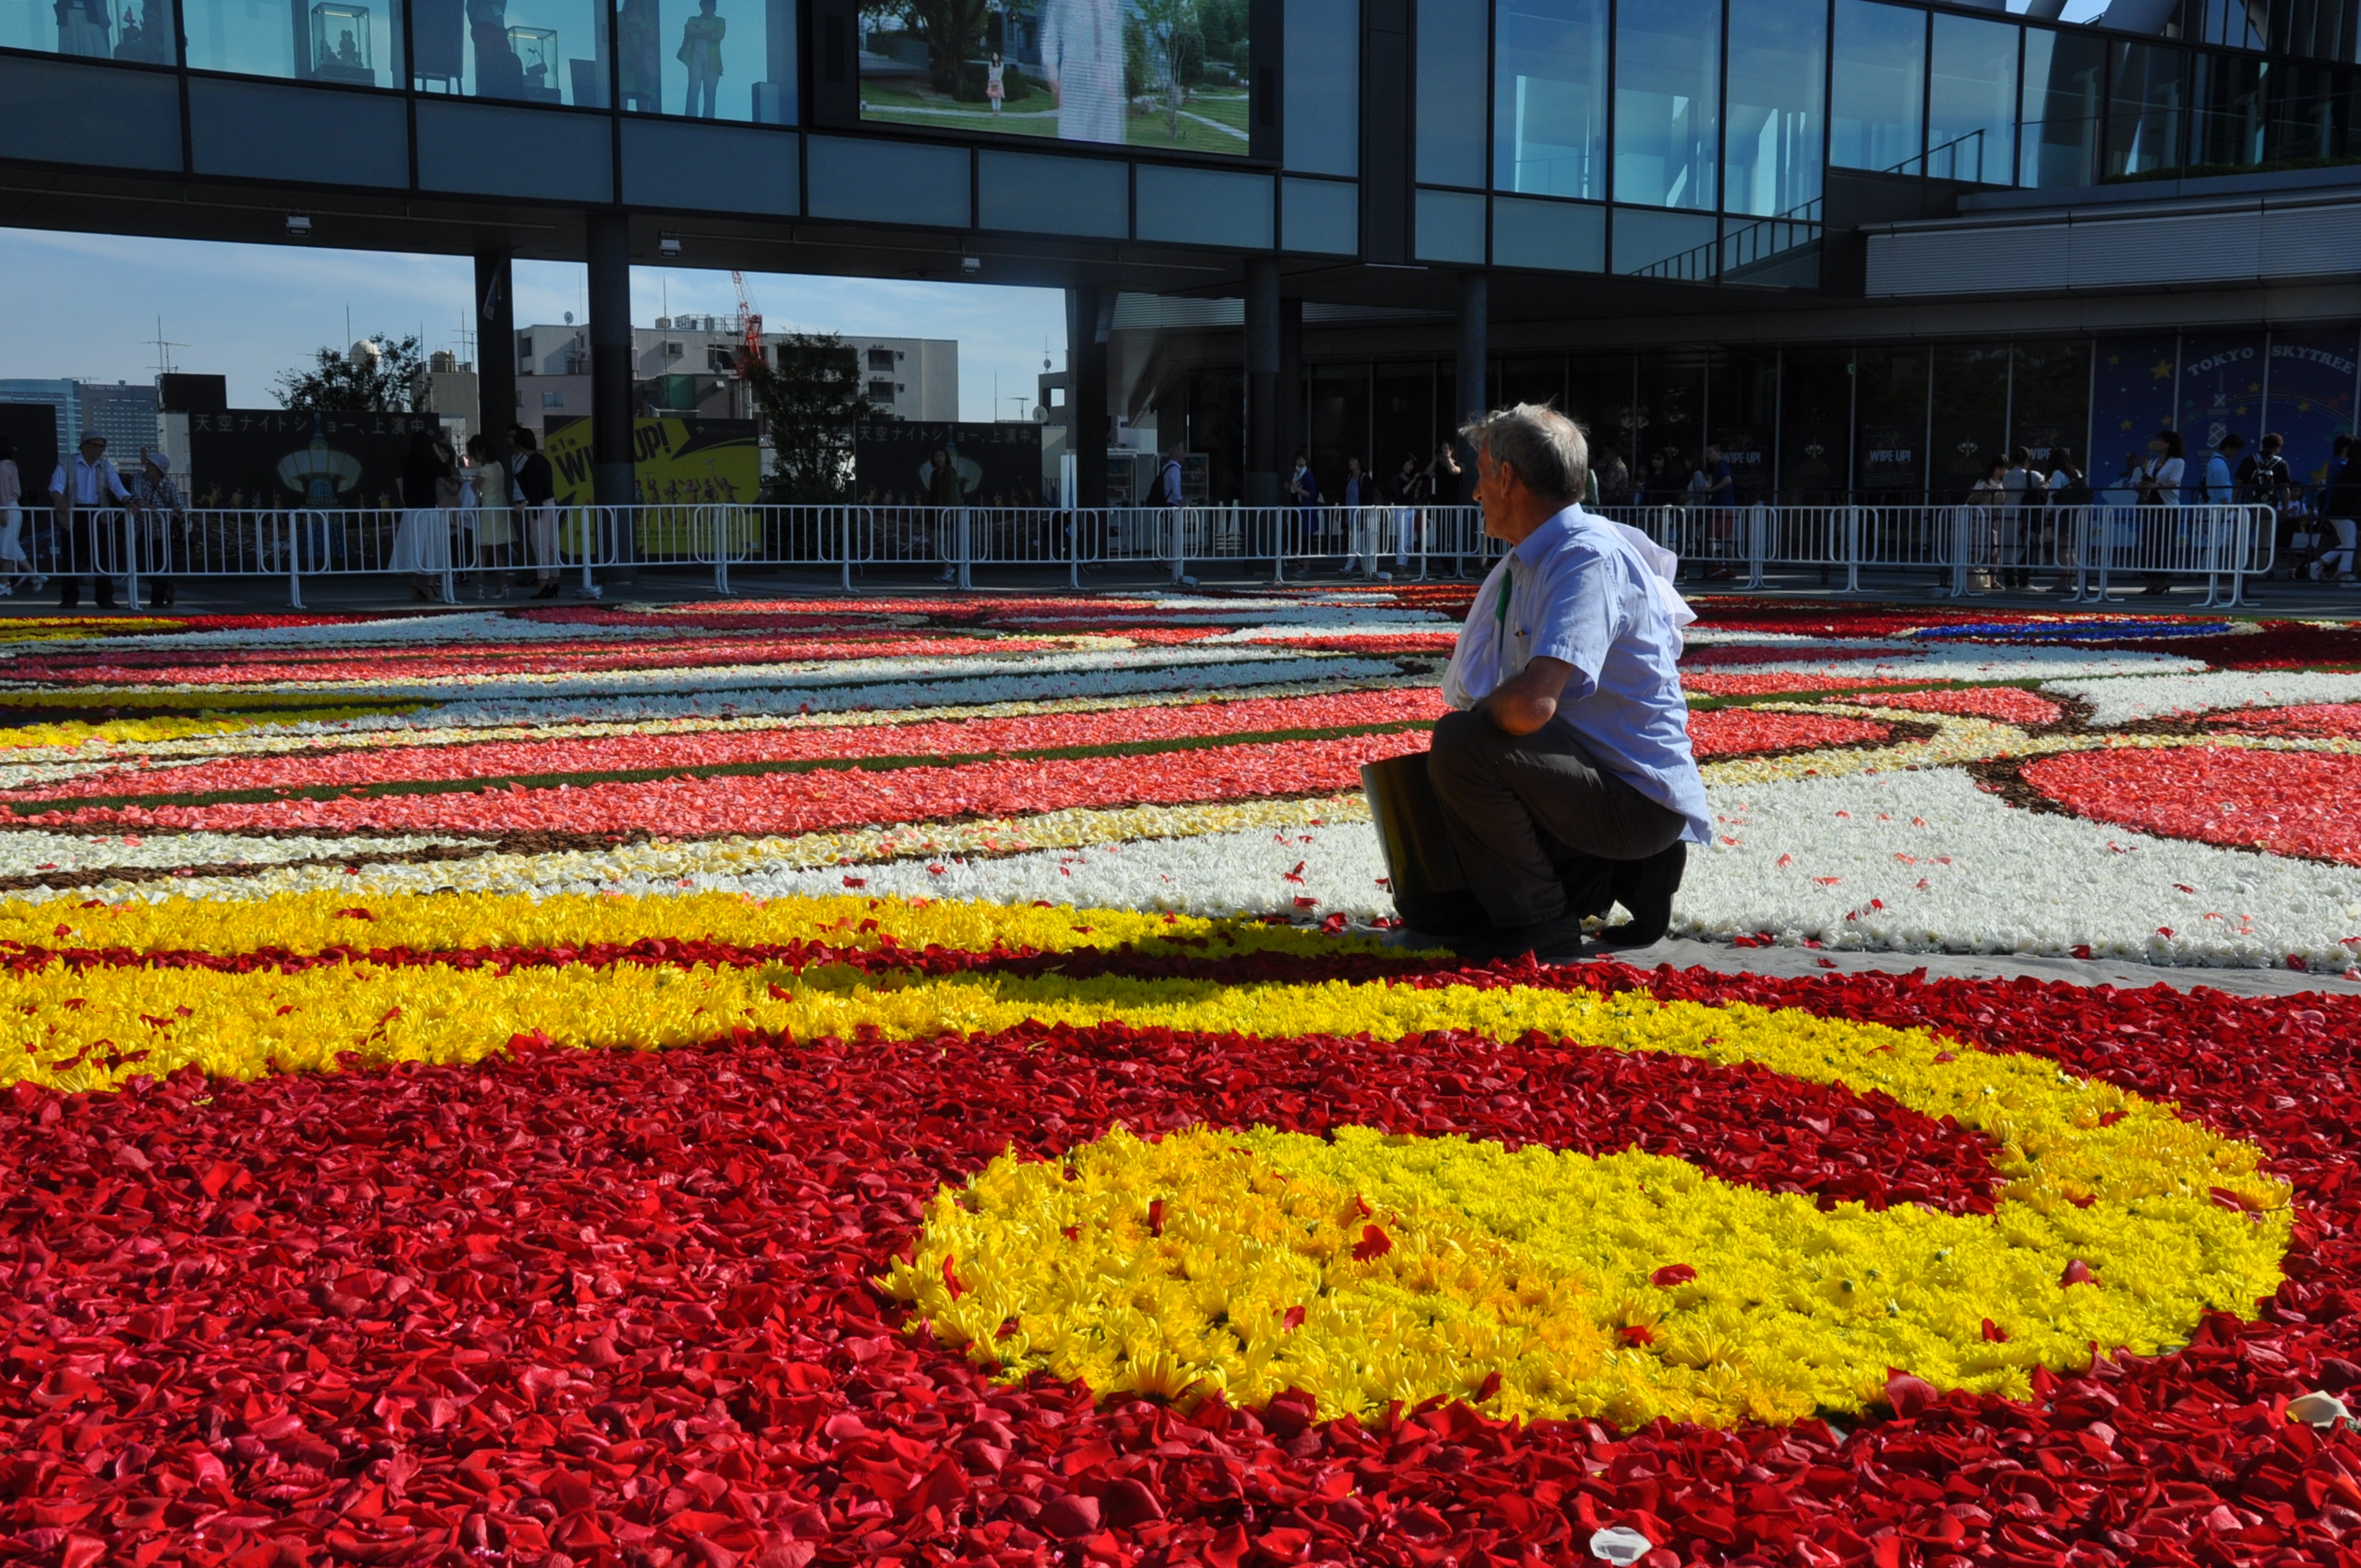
(2174, 697)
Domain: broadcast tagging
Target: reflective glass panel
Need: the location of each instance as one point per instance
(2314, 29)
(2227, 132)
(357, 43)
(2065, 78)
(1971, 101)
(1549, 101)
(533, 51)
(101, 29)
(727, 60)
(1778, 51)
(2049, 400)
(1667, 85)
(1321, 109)
(1451, 92)
(1878, 86)
(2147, 103)
(2241, 24)
(2310, 114)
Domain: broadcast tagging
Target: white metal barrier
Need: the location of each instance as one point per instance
(450, 553)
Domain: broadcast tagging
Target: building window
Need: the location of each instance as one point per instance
(1771, 166)
(2147, 108)
(880, 391)
(552, 400)
(1451, 92)
(2228, 130)
(2064, 85)
(881, 359)
(672, 351)
(525, 349)
(721, 357)
(1878, 86)
(1549, 103)
(355, 42)
(708, 59)
(113, 30)
(1971, 101)
(1668, 87)
(531, 51)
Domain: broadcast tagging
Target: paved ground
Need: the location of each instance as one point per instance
(1683, 954)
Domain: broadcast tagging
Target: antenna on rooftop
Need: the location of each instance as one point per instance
(164, 346)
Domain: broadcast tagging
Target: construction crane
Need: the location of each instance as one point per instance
(750, 343)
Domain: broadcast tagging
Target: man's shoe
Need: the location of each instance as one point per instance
(1646, 888)
(1558, 939)
(69, 595)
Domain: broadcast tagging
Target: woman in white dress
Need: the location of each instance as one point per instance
(422, 544)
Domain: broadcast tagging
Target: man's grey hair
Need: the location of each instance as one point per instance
(1549, 452)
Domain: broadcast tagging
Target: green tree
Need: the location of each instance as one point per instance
(953, 30)
(337, 380)
(810, 398)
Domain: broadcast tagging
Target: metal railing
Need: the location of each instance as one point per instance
(449, 553)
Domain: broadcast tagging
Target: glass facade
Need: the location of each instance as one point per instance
(1877, 100)
(139, 30)
(727, 60)
(1971, 101)
(2065, 92)
(1549, 100)
(2148, 109)
(1667, 96)
(1778, 50)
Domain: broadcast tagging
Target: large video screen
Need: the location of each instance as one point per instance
(1170, 74)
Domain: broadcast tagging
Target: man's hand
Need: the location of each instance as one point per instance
(1527, 700)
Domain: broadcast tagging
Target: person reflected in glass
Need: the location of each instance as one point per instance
(700, 51)
(1081, 63)
(499, 72)
(85, 27)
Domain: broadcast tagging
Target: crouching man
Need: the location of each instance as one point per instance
(1565, 779)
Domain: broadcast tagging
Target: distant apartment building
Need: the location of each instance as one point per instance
(118, 410)
(688, 365)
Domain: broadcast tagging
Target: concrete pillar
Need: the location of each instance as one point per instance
(495, 356)
(1086, 394)
(1293, 437)
(1474, 347)
(1263, 406)
(611, 370)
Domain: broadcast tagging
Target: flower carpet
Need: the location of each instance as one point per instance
(831, 1081)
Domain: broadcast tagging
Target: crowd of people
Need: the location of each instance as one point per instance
(474, 515)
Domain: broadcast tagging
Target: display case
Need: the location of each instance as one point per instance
(340, 43)
(536, 52)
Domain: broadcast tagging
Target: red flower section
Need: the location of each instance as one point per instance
(808, 802)
(316, 1319)
(491, 761)
(1734, 731)
(231, 667)
(2334, 720)
(2290, 803)
(1710, 684)
(2279, 645)
(1709, 656)
(2010, 705)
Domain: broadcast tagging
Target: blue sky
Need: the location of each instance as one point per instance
(87, 305)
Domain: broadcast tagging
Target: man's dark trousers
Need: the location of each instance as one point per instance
(1538, 825)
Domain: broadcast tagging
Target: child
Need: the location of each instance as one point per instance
(994, 88)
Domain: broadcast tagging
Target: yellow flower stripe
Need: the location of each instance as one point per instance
(1375, 1269)
(144, 732)
(316, 921)
(1771, 1327)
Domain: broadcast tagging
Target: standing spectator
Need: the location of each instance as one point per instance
(536, 489)
(2021, 531)
(1988, 501)
(495, 528)
(2220, 489)
(1405, 500)
(1442, 477)
(83, 489)
(2340, 506)
(1715, 489)
(944, 492)
(1171, 477)
(12, 518)
(700, 52)
(1303, 494)
(1614, 478)
(422, 544)
(2157, 484)
(2266, 480)
(163, 526)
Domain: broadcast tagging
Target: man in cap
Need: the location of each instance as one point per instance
(85, 488)
(164, 522)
